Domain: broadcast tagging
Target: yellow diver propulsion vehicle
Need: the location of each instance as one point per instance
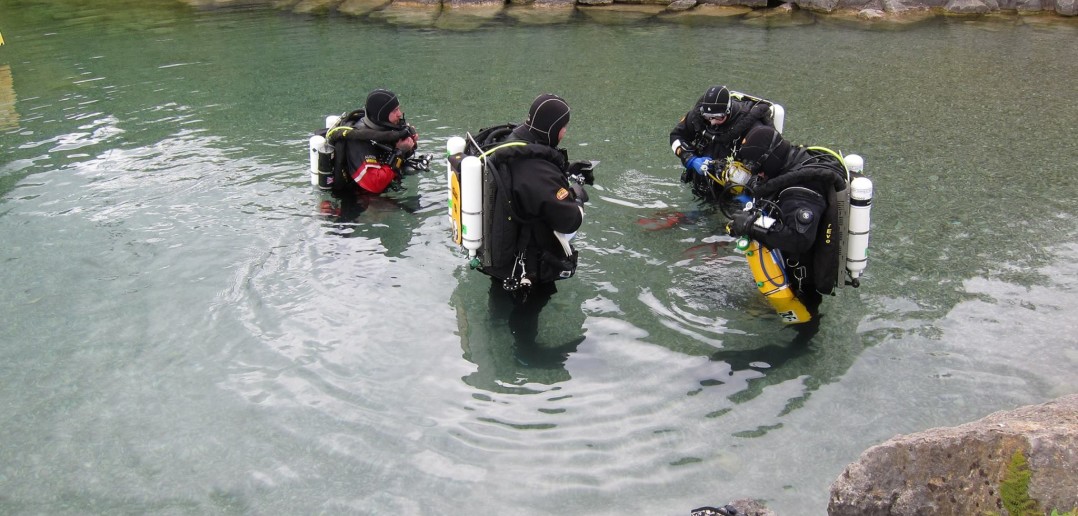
(768, 271)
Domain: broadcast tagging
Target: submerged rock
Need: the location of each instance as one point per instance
(361, 7)
(621, 14)
(468, 16)
(540, 13)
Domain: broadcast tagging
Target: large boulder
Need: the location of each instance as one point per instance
(958, 470)
(1067, 7)
(971, 6)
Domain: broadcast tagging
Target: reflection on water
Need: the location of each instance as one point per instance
(514, 343)
(9, 117)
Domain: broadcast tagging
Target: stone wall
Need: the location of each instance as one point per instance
(865, 9)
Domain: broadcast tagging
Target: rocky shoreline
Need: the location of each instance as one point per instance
(467, 14)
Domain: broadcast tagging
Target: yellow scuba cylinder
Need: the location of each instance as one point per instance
(767, 271)
(454, 150)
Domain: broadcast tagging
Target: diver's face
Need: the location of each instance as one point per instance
(396, 115)
(715, 119)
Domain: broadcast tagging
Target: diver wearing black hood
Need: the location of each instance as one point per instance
(537, 208)
(371, 146)
(799, 185)
(709, 132)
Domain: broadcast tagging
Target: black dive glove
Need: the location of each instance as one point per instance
(743, 225)
(396, 161)
(583, 169)
(579, 193)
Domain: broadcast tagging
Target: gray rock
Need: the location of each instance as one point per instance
(958, 470)
(967, 7)
(1067, 7)
(818, 5)
(1028, 5)
(752, 508)
(681, 5)
(894, 6)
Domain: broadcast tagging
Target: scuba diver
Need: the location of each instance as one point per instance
(794, 210)
(531, 212)
(371, 147)
(707, 134)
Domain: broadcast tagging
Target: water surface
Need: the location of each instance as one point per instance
(185, 330)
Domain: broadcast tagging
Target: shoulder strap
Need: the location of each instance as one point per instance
(499, 171)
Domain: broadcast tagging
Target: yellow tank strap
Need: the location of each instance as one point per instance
(338, 129)
(741, 96)
(502, 146)
(836, 155)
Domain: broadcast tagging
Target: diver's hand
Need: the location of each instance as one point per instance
(406, 144)
(741, 223)
(584, 169)
(579, 193)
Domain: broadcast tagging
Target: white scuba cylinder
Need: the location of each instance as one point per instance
(314, 147)
(321, 156)
(471, 204)
(860, 218)
(321, 162)
(854, 163)
(778, 115)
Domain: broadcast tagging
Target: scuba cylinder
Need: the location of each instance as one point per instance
(454, 148)
(778, 116)
(859, 220)
(767, 270)
(778, 113)
(321, 156)
(471, 201)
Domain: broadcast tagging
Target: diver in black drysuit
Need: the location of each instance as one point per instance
(709, 132)
(535, 199)
(796, 184)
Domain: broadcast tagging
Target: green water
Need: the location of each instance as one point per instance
(185, 332)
